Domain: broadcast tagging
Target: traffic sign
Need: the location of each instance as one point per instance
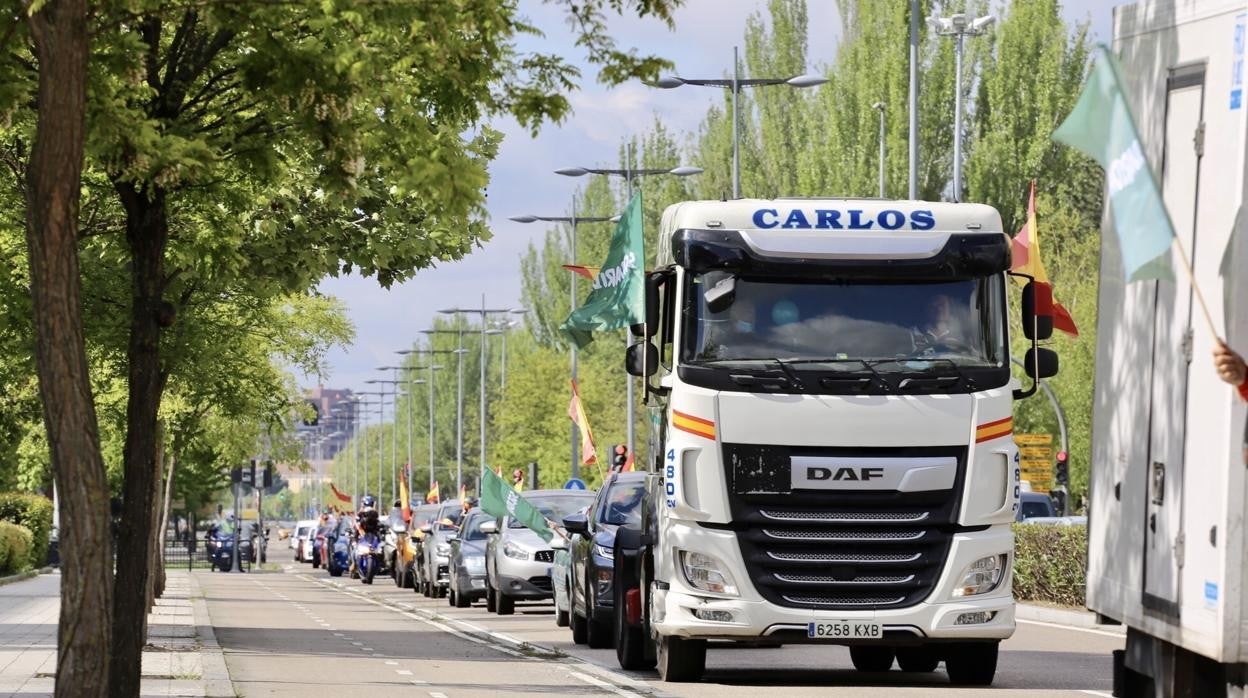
(1036, 460)
(575, 484)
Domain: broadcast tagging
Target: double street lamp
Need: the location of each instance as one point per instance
(484, 312)
(959, 26)
(735, 84)
(430, 383)
(459, 402)
(629, 172)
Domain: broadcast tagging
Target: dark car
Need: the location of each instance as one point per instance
(1032, 505)
(592, 552)
(468, 560)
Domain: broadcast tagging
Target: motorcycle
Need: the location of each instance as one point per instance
(220, 546)
(368, 556)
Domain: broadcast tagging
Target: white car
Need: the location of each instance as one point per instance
(299, 538)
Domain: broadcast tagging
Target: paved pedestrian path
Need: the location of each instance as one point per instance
(181, 657)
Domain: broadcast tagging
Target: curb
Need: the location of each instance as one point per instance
(216, 674)
(1063, 616)
(23, 576)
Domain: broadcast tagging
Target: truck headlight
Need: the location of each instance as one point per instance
(707, 573)
(981, 576)
(514, 551)
(603, 551)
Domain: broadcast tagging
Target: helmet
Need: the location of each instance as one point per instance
(368, 501)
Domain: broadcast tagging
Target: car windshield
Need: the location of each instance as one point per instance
(622, 505)
(472, 528)
(811, 321)
(555, 508)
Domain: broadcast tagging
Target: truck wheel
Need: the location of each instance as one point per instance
(630, 642)
(504, 605)
(917, 659)
(873, 658)
(972, 663)
(579, 628)
(681, 660)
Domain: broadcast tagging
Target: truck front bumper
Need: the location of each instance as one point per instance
(940, 617)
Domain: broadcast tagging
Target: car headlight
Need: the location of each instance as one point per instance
(512, 550)
(603, 551)
(444, 549)
(981, 576)
(707, 573)
(474, 565)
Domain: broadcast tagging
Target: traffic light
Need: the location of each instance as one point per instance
(268, 474)
(1062, 471)
(249, 473)
(619, 457)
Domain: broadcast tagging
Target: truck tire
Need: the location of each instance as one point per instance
(681, 660)
(630, 641)
(919, 659)
(580, 628)
(873, 658)
(504, 605)
(972, 663)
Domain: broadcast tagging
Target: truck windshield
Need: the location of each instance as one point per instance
(864, 325)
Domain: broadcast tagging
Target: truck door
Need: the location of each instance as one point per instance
(1180, 182)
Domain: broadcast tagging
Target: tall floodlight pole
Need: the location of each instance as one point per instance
(880, 107)
(959, 27)
(735, 84)
(459, 402)
(411, 397)
(484, 312)
(914, 100)
(572, 222)
(629, 172)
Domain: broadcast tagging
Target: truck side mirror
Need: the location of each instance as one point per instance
(720, 295)
(1037, 311)
(1040, 363)
(638, 363)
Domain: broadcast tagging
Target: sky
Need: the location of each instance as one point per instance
(522, 180)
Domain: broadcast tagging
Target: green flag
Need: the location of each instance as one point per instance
(1101, 126)
(499, 499)
(619, 295)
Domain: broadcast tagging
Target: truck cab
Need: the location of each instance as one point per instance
(834, 454)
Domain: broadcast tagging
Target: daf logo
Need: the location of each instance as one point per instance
(841, 474)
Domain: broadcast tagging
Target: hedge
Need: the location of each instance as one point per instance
(15, 545)
(1050, 563)
(35, 514)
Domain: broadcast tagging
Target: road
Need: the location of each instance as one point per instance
(301, 632)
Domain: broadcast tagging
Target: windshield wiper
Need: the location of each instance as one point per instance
(833, 381)
(937, 381)
(789, 373)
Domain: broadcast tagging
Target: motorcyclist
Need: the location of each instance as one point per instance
(367, 521)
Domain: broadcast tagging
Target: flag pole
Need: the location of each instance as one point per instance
(1191, 276)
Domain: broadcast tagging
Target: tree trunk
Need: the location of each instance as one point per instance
(156, 578)
(164, 523)
(84, 631)
(147, 231)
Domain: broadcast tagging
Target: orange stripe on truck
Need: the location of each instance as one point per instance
(693, 425)
(994, 430)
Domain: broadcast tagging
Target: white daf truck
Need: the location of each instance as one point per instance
(1168, 481)
(836, 464)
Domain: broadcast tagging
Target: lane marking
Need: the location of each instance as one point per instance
(1059, 626)
(1097, 693)
(435, 694)
(403, 672)
(391, 662)
(418, 682)
(594, 681)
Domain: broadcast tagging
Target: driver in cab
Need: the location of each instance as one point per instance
(942, 329)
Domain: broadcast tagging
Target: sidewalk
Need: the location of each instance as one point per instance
(181, 657)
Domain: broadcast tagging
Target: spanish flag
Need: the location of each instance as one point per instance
(576, 411)
(588, 272)
(403, 498)
(463, 493)
(433, 497)
(1025, 252)
(341, 497)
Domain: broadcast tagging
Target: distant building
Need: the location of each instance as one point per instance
(333, 428)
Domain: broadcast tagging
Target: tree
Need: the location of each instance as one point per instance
(59, 37)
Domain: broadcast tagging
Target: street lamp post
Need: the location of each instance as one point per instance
(484, 313)
(959, 27)
(880, 107)
(459, 403)
(430, 384)
(572, 221)
(735, 84)
(629, 173)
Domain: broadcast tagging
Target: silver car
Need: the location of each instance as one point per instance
(434, 574)
(517, 560)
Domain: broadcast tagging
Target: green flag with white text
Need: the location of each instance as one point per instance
(1101, 126)
(499, 499)
(618, 298)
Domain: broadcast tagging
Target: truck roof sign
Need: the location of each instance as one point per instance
(843, 219)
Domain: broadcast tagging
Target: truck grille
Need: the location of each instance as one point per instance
(839, 549)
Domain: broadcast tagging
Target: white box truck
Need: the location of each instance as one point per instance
(1166, 548)
(835, 457)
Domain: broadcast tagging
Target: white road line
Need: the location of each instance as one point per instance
(366, 649)
(358, 644)
(1059, 626)
(403, 672)
(435, 694)
(337, 634)
(391, 662)
(594, 681)
(1098, 693)
(418, 682)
